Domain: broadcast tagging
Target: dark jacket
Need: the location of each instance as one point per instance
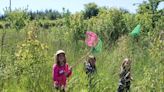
(124, 82)
(89, 69)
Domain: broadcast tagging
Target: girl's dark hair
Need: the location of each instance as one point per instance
(91, 58)
(57, 59)
(123, 64)
(94, 66)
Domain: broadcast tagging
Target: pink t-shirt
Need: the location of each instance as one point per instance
(58, 74)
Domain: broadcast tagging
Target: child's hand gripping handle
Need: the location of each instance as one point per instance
(67, 74)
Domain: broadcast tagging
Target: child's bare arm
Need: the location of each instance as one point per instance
(131, 78)
(127, 74)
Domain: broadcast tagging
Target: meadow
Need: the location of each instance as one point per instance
(27, 48)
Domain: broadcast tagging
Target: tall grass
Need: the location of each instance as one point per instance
(33, 74)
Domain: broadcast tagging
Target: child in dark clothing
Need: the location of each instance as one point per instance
(90, 66)
(90, 69)
(125, 76)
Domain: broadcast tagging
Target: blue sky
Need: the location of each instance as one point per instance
(72, 5)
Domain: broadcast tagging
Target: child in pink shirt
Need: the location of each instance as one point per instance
(61, 71)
